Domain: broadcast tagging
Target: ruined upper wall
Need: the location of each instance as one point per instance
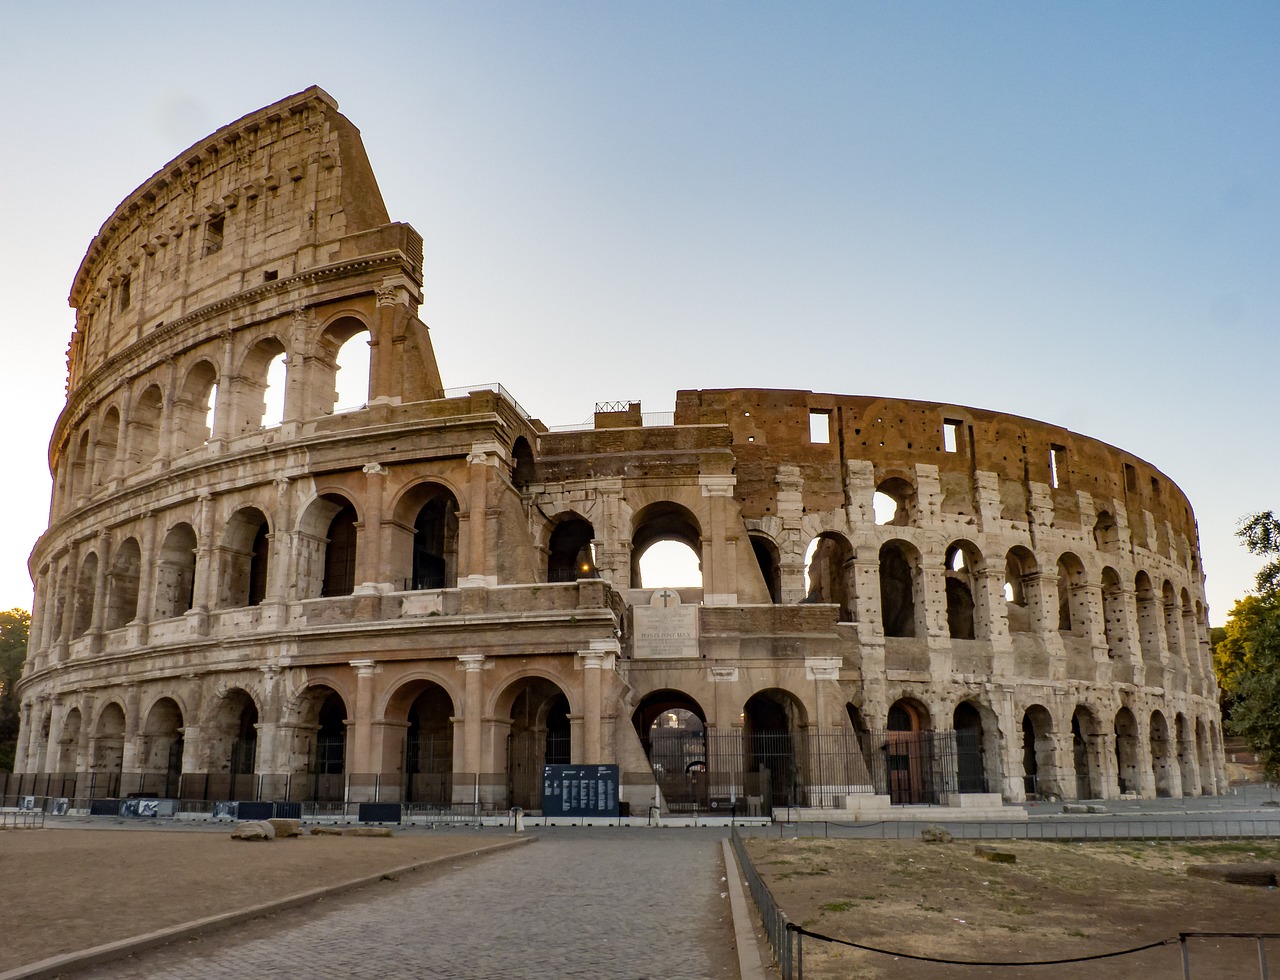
(262, 199)
(771, 427)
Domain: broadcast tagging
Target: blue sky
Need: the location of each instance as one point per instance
(1067, 211)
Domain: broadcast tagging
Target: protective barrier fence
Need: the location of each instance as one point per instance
(1093, 827)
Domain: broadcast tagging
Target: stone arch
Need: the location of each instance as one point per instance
(1149, 618)
(68, 754)
(106, 448)
(1113, 615)
(245, 559)
(1172, 623)
(671, 726)
(1020, 569)
(658, 522)
(230, 735)
(524, 468)
(962, 566)
(769, 561)
(900, 605)
(540, 733)
(1190, 632)
(351, 377)
(908, 759)
(570, 549)
(122, 584)
(106, 752)
(772, 722)
(176, 572)
(827, 562)
(81, 465)
(1106, 533)
(320, 741)
(253, 387)
(144, 427)
(1162, 754)
(162, 744)
(894, 502)
(1204, 753)
(1186, 755)
(978, 747)
(1128, 756)
(1073, 603)
(1039, 759)
(86, 582)
(194, 407)
(327, 543)
(1086, 743)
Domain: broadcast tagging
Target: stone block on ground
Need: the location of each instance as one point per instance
(368, 832)
(286, 826)
(933, 834)
(994, 855)
(326, 831)
(254, 830)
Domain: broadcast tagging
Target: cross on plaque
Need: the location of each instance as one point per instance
(666, 595)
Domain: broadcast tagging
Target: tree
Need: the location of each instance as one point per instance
(1247, 659)
(15, 626)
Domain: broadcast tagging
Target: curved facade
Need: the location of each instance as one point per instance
(247, 588)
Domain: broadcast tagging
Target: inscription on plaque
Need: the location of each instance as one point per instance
(665, 629)
(580, 791)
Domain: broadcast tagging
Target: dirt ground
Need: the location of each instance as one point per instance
(1058, 900)
(69, 889)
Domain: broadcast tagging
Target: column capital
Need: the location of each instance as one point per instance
(472, 661)
(364, 668)
(374, 468)
(717, 485)
(487, 453)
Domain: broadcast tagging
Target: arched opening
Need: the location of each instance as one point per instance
(327, 763)
(1084, 748)
(523, 468)
(428, 747)
(1039, 768)
(258, 391)
(970, 750)
(1161, 754)
(666, 548)
(435, 541)
(1128, 773)
(826, 575)
(273, 391)
(1190, 633)
(107, 749)
(1186, 756)
(194, 407)
(162, 745)
(106, 448)
(540, 736)
(1205, 755)
(1019, 568)
(909, 758)
(232, 744)
(81, 467)
(962, 562)
(1106, 535)
(1149, 614)
(570, 553)
(340, 554)
(122, 584)
(144, 428)
(176, 572)
(351, 367)
(898, 565)
(1172, 623)
(766, 553)
(68, 760)
(246, 556)
(1113, 620)
(894, 502)
(1073, 603)
(85, 583)
(672, 729)
(772, 721)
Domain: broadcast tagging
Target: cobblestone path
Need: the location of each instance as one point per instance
(575, 903)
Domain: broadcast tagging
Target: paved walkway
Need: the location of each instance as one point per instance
(590, 903)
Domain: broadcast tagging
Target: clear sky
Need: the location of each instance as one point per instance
(1069, 211)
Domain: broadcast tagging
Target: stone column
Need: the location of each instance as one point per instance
(205, 585)
(100, 590)
(146, 580)
(361, 725)
(26, 736)
(167, 434)
(371, 567)
(791, 544)
(483, 455)
(719, 553)
(472, 713)
(592, 662)
(129, 755)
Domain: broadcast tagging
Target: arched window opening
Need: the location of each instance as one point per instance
(1084, 748)
(239, 731)
(771, 724)
(908, 754)
(894, 502)
(330, 760)
(352, 368)
(1149, 615)
(1161, 754)
(1019, 566)
(672, 731)
(970, 755)
(959, 570)
(68, 760)
(122, 585)
(162, 746)
(144, 428)
(435, 543)
(85, 584)
(1113, 614)
(1126, 732)
(259, 389)
(273, 392)
(176, 573)
(1106, 534)
(897, 591)
(666, 548)
(523, 467)
(539, 736)
(1073, 611)
(570, 552)
(1039, 769)
(766, 553)
(107, 748)
(1186, 756)
(108, 445)
(340, 554)
(194, 407)
(826, 574)
(246, 559)
(1172, 624)
(428, 764)
(80, 467)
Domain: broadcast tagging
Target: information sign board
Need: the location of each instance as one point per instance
(580, 791)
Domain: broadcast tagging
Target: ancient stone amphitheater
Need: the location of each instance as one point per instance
(250, 591)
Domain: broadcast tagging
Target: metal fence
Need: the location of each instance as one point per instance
(1053, 829)
(782, 940)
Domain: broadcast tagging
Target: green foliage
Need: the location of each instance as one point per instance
(15, 625)
(1261, 535)
(1233, 651)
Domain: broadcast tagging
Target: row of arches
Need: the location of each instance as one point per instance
(210, 397)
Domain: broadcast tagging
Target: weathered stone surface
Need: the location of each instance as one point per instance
(285, 827)
(936, 835)
(254, 830)
(324, 831)
(995, 855)
(368, 832)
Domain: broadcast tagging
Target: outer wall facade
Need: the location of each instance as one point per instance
(435, 585)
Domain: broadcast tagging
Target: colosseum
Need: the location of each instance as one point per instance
(249, 591)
